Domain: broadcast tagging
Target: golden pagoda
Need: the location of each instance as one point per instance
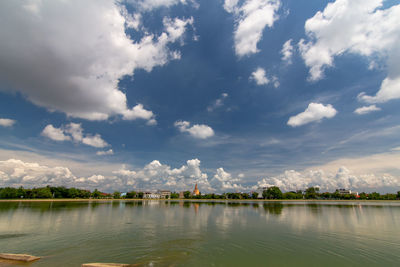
(196, 191)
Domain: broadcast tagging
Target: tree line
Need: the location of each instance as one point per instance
(273, 192)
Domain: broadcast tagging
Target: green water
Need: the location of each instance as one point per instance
(164, 233)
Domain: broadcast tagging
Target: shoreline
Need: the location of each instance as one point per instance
(191, 200)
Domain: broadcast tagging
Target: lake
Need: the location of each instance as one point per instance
(186, 233)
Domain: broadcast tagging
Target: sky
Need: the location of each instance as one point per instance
(231, 95)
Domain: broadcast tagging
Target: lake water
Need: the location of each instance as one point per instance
(178, 233)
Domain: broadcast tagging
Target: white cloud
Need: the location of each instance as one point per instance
(218, 103)
(105, 153)
(7, 122)
(314, 112)
(343, 178)
(224, 181)
(94, 141)
(251, 18)
(259, 76)
(231, 6)
(390, 89)
(138, 112)
(275, 81)
(74, 132)
(132, 21)
(81, 51)
(200, 131)
(55, 134)
(152, 176)
(148, 5)
(157, 176)
(361, 27)
(176, 27)
(15, 173)
(366, 110)
(367, 173)
(287, 51)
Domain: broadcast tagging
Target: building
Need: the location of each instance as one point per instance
(182, 194)
(260, 192)
(196, 191)
(151, 195)
(164, 193)
(343, 191)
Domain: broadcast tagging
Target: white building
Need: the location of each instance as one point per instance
(164, 193)
(343, 191)
(151, 195)
(260, 191)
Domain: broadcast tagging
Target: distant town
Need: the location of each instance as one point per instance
(265, 193)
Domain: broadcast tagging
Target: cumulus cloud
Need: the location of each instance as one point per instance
(224, 181)
(153, 176)
(287, 51)
(343, 178)
(138, 112)
(74, 132)
(69, 56)
(366, 109)
(7, 122)
(315, 112)
(200, 131)
(154, 4)
(105, 153)
(16, 173)
(251, 17)
(218, 103)
(390, 89)
(132, 21)
(259, 76)
(361, 27)
(156, 175)
(55, 134)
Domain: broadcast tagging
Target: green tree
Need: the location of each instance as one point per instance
(73, 193)
(117, 195)
(312, 193)
(292, 195)
(254, 195)
(140, 195)
(363, 196)
(43, 192)
(245, 196)
(186, 194)
(96, 193)
(398, 194)
(8, 193)
(84, 193)
(273, 192)
(174, 195)
(20, 192)
(374, 196)
(131, 194)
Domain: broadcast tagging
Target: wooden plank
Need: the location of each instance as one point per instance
(18, 257)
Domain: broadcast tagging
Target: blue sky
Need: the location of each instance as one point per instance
(232, 95)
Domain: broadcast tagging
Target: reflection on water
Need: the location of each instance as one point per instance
(198, 233)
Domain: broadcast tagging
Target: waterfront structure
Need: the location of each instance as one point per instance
(196, 191)
(151, 195)
(260, 191)
(182, 194)
(164, 193)
(343, 191)
(157, 195)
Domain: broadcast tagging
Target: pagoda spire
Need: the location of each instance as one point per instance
(196, 191)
